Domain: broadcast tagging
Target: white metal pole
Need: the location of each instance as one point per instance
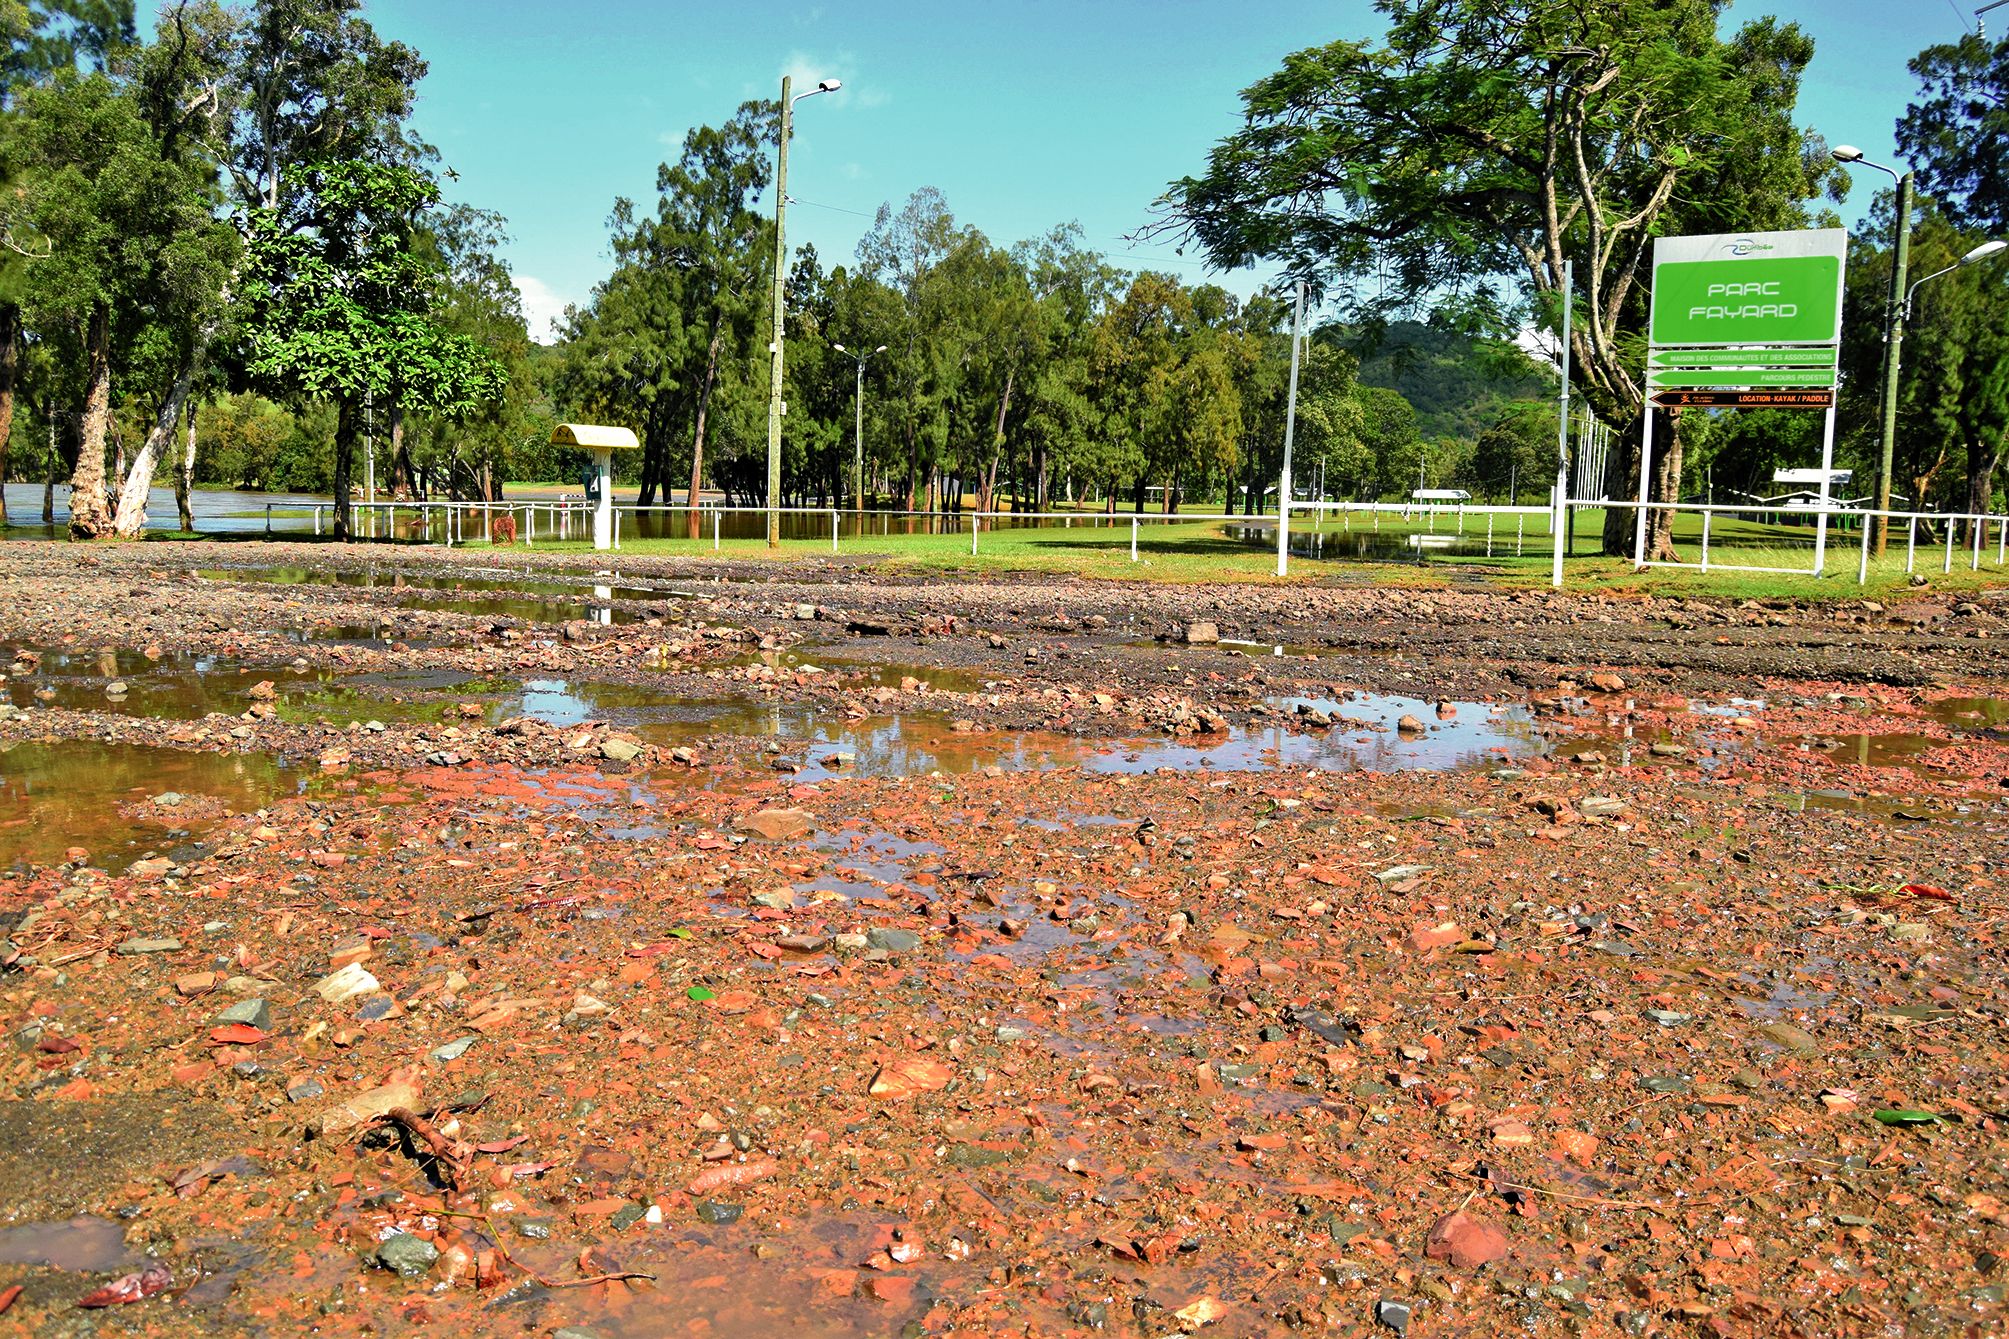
(1133, 539)
(1557, 523)
(1862, 562)
(1827, 488)
(1910, 543)
(1645, 485)
(1290, 433)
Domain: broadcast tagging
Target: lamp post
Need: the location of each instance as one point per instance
(858, 439)
(1893, 337)
(774, 405)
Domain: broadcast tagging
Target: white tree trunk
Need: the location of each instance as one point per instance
(131, 516)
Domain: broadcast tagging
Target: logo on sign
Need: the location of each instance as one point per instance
(1745, 246)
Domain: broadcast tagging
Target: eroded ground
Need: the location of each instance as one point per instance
(729, 950)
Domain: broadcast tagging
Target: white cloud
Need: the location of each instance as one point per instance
(543, 307)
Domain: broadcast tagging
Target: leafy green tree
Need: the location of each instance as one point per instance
(1517, 449)
(36, 41)
(339, 305)
(1953, 134)
(1455, 167)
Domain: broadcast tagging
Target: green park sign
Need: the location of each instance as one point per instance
(1759, 288)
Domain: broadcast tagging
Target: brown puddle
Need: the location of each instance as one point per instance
(100, 797)
(83, 1244)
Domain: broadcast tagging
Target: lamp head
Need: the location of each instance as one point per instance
(1984, 251)
(1846, 153)
(882, 347)
(840, 348)
(829, 85)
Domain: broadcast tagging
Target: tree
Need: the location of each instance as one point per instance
(1519, 447)
(1953, 135)
(121, 208)
(338, 304)
(1456, 166)
(36, 41)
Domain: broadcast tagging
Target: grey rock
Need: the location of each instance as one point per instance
(718, 1213)
(453, 1050)
(892, 941)
(617, 749)
(1394, 1314)
(406, 1255)
(306, 1090)
(133, 948)
(254, 1011)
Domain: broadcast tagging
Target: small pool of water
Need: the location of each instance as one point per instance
(98, 796)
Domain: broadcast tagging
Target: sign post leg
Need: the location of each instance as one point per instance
(1645, 485)
(1827, 488)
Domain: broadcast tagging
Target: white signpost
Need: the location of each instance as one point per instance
(1745, 321)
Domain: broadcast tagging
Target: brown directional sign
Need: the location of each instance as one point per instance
(1751, 399)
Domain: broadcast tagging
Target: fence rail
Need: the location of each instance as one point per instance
(1500, 524)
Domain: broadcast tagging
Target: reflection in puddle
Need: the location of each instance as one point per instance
(492, 597)
(54, 796)
(82, 1244)
(177, 687)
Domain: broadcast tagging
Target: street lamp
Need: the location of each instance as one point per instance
(1893, 331)
(858, 441)
(1979, 253)
(774, 406)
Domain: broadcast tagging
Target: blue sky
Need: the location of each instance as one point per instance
(1025, 113)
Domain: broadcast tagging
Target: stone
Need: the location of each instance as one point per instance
(351, 982)
(775, 899)
(1202, 633)
(892, 940)
(305, 1090)
(719, 1213)
(616, 749)
(1409, 725)
(776, 824)
(133, 948)
(1395, 1315)
(1607, 682)
(406, 1255)
(1465, 1240)
(1790, 1037)
(452, 1050)
(254, 1011)
(168, 799)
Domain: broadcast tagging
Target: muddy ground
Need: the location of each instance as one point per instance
(706, 948)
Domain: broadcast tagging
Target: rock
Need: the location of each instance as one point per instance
(1466, 1240)
(718, 1213)
(1202, 633)
(1790, 1037)
(263, 691)
(168, 799)
(452, 1050)
(1395, 1315)
(616, 749)
(1426, 937)
(133, 948)
(775, 899)
(1409, 725)
(1602, 806)
(406, 1255)
(777, 824)
(254, 1011)
(1447, 711)
(351, 982)
(364, 1107)
(892, 940)
(1607, 682)
(305, 1090)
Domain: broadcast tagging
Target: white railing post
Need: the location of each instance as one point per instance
(973, 534)
(317, 518)
(1133, 538)
(1520, 531)
(1975, 523)
(715, 515)
(1948, 565)
(1707, 515)
(2001, 540)
(1489, 534)
(1910, 542)
(833, 529)
(1862, 563)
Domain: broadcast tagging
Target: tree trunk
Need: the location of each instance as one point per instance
(184, 478)
(131, 517)
(1981, 467)
(1171, 503)
(345, 463)
(1137, 497)
(1667, 450)
(1109, 498)
(698, 436)
(10, 362)
(90, 517)
(404, 478)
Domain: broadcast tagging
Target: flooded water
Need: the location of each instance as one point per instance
(512, 597)
(215, 511)
(82, 1244)
(100, 797)
(177, 687)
